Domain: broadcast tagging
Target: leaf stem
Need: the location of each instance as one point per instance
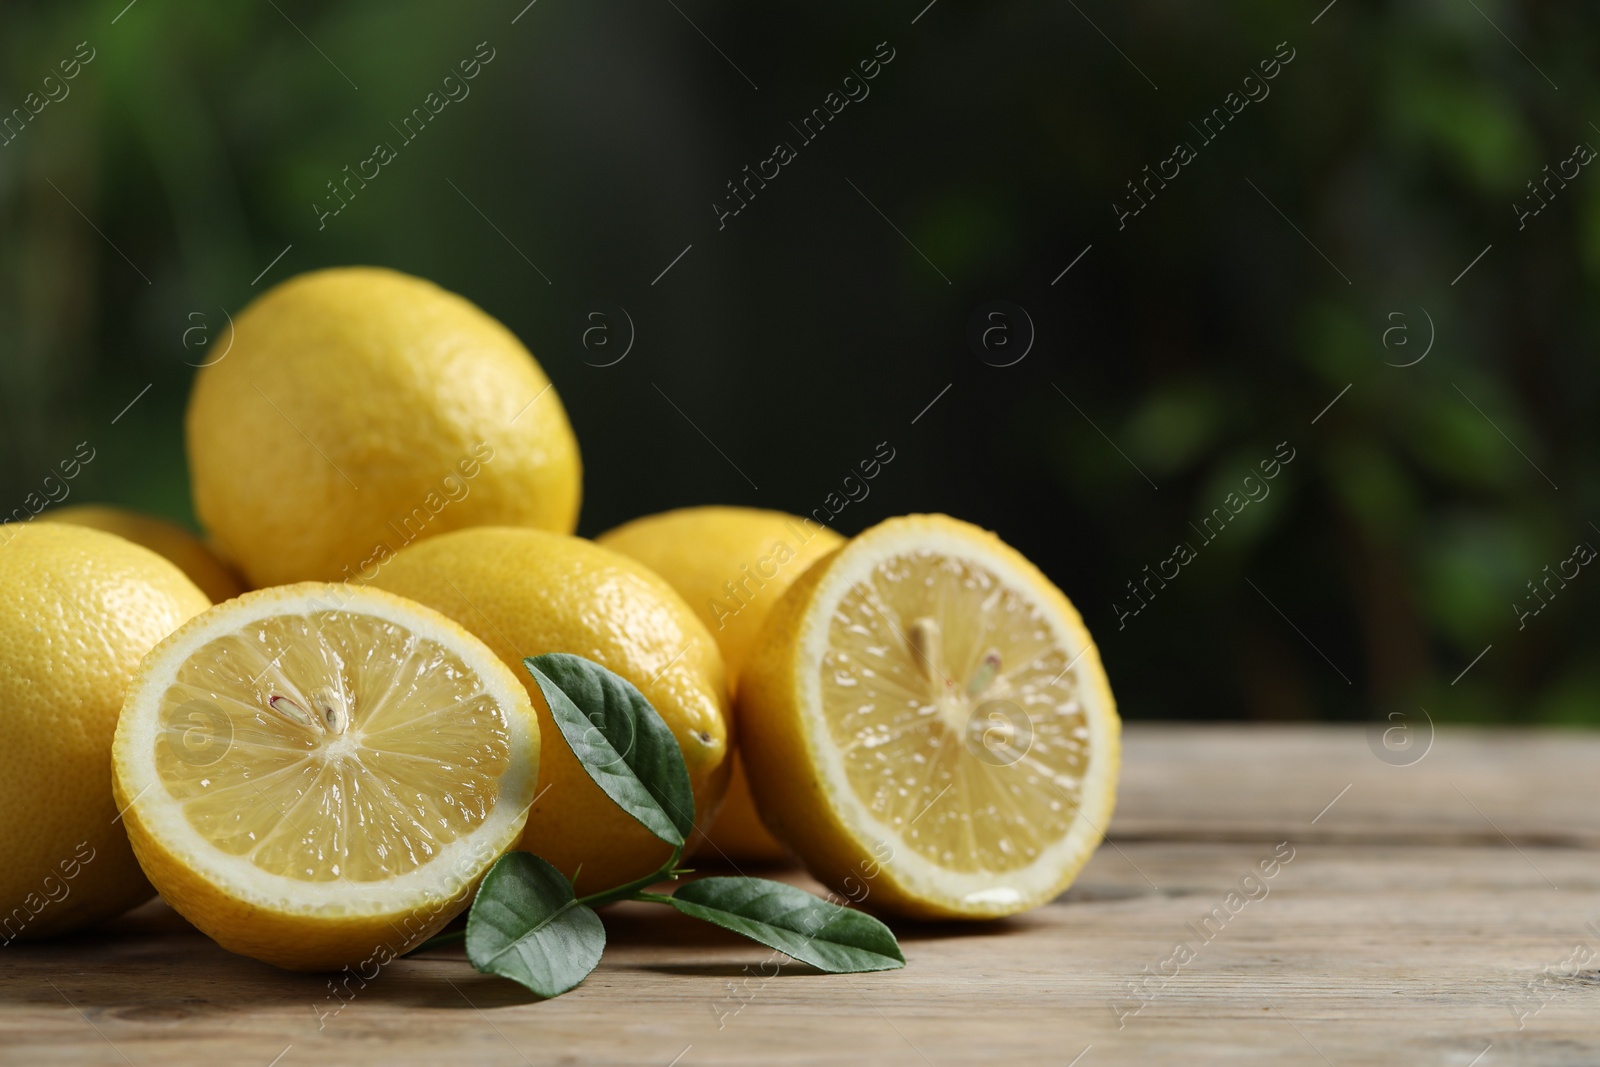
(653, 898)
(634, 889)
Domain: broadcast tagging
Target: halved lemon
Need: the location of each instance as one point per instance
(317, 775)
(929, 725)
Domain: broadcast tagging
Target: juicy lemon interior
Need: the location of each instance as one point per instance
(331, 745)
(956, 711)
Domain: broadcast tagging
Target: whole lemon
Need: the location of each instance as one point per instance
(526, 592)
(356, 410)
(731, 565)
(81, 609)
(161, 537)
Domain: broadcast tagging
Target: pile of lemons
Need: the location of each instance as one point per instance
(312, 732)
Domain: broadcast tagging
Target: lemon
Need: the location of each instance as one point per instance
(526, 593)
(161, 537)
(356, 410)
(317, 775)
(929, 725)
(731, 565)
(80, 610)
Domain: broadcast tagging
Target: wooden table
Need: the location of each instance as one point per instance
(1442, 912)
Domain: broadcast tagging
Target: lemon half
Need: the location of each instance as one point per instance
(316, 775)
(930, 727)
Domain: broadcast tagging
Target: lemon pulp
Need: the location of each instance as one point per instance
(956, 712)
(330, 745)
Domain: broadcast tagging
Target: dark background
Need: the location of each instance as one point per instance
(1172, 357)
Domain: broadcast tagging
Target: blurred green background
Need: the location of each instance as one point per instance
(1174, 355)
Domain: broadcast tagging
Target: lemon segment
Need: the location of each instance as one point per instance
(931, 724)
(315, 773)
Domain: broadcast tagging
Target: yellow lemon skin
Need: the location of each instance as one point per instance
(525, 593)
(791, 788)
(80, 610)
(295, 942)
(284, 939)
(355, 410)
(731, 565)
(284, 933)
(164, 538)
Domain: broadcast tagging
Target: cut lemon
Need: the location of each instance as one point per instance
(317, 775)
(930, 727)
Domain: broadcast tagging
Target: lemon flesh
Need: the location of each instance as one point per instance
(970, 699)
(317, 772)
(405, 744)
(942, 735)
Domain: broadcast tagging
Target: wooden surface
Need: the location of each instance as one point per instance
(1437, 913)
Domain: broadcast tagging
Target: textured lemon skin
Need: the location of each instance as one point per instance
(525, 593)
(790, 794)
(164, 538)
(700, 552)
(296, 940)
(359, 409)
(80, 609)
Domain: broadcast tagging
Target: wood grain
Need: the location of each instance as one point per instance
(1430, 915)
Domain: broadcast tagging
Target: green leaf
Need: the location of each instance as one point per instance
(526, 926)
(831, 938)
(620, 740)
